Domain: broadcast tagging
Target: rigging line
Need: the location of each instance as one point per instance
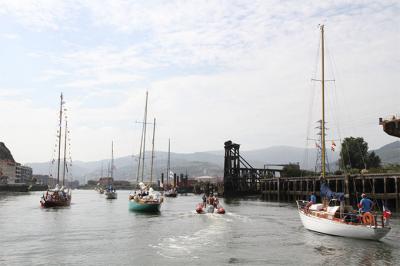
(312, 96)
(359, 147)
(334, 99)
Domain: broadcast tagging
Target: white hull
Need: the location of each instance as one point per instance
(330, 227)
(110, 195)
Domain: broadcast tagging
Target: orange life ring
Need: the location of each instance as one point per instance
(368, 218)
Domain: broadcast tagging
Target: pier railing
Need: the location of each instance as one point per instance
(383, 188)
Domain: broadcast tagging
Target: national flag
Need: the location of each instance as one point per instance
(333, 146)
(386, 213)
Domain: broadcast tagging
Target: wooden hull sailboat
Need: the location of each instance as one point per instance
(59, 197)
(339, 220)
(323, 222)
(56, 198)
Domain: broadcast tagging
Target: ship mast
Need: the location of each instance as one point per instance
(65, 150)
(168, 163)
(59, 140)
(323, 102)
(112, 159)
(144, 133)
(152, 152)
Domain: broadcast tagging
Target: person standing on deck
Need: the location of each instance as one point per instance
(313, 200)
(365, 204)
(204, 200)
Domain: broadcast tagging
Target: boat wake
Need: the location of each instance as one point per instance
(191, 245)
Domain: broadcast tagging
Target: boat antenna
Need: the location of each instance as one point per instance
(152, 151)
(323, 103)
(65, 151)
(59, 139)
(144, 133)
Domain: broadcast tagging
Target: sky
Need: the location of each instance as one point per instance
(214, 70)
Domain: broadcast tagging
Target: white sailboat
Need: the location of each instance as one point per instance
(170, 191)
(334, 218)
(110, 191)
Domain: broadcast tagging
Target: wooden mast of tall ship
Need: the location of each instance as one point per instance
(59, 196)
(145, 199)
(338, 220)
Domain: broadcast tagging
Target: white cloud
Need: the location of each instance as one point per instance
(40, 15)
(215, 69)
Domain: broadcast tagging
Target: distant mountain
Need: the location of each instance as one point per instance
(195, 164)
(389, 153)
(207, 163)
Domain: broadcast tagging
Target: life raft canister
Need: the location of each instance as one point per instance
(368, 218)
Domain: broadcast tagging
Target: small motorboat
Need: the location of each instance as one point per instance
(200, 209)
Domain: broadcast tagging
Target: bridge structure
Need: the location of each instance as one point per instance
(240, 177)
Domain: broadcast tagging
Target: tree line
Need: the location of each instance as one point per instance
(354, 158)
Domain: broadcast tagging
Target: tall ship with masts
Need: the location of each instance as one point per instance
(60, 195)
(332, 216)
(145, 199)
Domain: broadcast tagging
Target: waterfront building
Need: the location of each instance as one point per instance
(45, 180)
(23, 174)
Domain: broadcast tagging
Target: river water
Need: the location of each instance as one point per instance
(96, 231)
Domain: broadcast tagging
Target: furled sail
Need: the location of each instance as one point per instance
(326, 192)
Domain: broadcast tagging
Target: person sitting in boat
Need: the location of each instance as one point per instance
(365, 204)
(313, 200)
(204, 200)
(216, 202)
(211, 199)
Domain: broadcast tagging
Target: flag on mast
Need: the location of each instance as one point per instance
(333, 146)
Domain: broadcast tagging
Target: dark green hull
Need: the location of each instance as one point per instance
(144, 207)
